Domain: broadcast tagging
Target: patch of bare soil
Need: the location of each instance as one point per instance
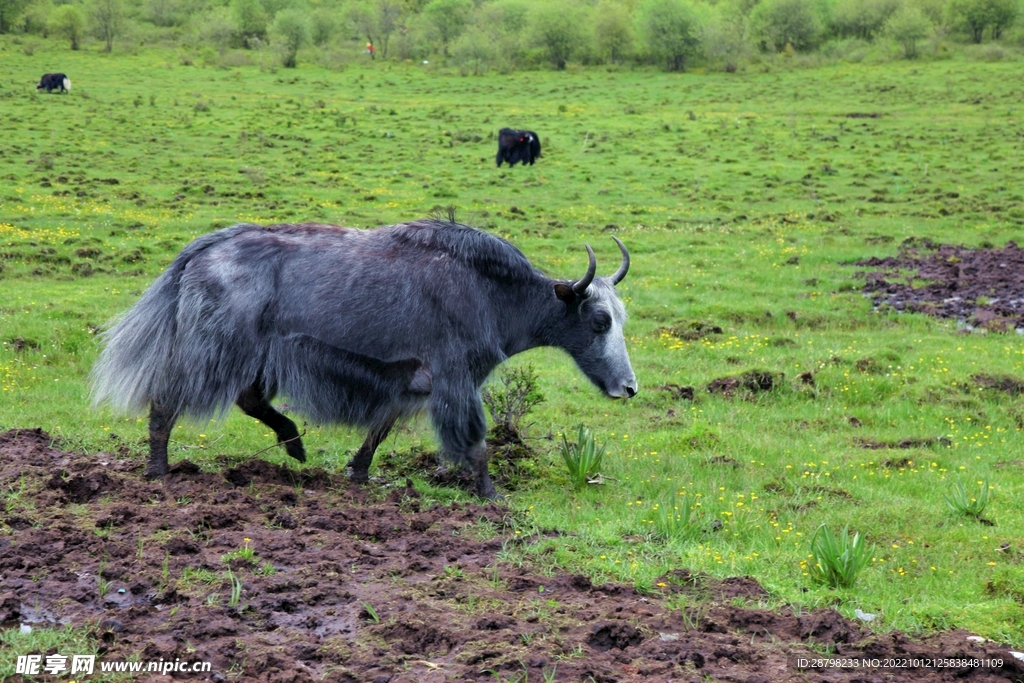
(750, 382)
(342, 583)
(981, 287)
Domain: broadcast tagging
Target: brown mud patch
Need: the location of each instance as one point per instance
(354, 584)
(751, 382)
(979, 287)
(913, 442)
(692, 330)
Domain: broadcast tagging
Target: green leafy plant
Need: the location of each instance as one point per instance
(246, 552)
(582, 457)
(960, 502)
(370, 612)
(674, 519)
(510, 399)
(838, 559)
(236, 590)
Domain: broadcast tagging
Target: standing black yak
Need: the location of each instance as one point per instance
(51, 82)
(517, 145)
(354, 326)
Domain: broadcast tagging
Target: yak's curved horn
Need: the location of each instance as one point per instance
(580, 286)
(624, 268)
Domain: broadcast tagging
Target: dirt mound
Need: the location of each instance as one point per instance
(274, 575)
(751, 382)
(980, 287)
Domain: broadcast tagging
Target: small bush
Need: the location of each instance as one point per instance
(838, 560)
(961, 503)
(582, 457)
(512, 399)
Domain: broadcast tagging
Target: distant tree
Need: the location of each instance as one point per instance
(360, 19)
(724, 36)
(474, 51)
(933, 10)
(9, 11)
(375, 20)
(975, 16)
(322, 25)
(107, 17)
(907, 27)
(290, 31)
(862, 18)
(506, 22)
(613, 31)
(1002, 15)
(670, 30)
(389, 21)
(449, 18)
(215, 27)
(558, 29)
(250, 19)
(68, 23)
(165, 12)
(971, 15)
(778, 23)
(36, 17)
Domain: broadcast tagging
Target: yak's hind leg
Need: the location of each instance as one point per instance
(360, 462)
(254, 404)
(458, 417)
(161, 422)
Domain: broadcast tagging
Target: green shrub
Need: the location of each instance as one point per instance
(838, 559)
(960, 502)
(582, 457)
(512, 398)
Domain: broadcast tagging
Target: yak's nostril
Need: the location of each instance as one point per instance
(631, 391)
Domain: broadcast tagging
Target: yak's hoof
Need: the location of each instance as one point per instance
(493, 496)
(487, 491)
(299, 453)
(358, 476)
(155, 472)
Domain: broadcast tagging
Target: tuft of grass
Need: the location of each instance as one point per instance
(838, 559)
(673, 519)
(582, 457)
(962, 503)
(236, 590)
(371, 613)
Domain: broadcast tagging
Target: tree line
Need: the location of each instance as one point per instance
(481, 35)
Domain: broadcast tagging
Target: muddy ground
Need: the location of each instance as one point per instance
(983, 288)
(343, 583)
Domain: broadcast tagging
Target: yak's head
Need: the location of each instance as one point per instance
(591, 330)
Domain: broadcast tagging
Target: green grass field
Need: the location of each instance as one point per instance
(743, 199)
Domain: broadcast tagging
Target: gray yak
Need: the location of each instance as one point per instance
(361, 327)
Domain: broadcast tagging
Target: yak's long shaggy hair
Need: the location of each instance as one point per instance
(208, 328)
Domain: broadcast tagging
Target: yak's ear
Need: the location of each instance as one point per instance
(565, 293)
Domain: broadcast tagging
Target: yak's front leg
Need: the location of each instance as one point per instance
(360, 462)
(161, 422)
(459, 419)
(255, 404)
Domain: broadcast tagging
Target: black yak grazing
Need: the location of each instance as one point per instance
(51, 82)
(516, 146)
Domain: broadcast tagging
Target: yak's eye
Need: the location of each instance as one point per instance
(602, 322)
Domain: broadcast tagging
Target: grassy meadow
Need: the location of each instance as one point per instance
(743, 198)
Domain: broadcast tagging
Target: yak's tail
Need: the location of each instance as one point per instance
(139, 362)
(67, 84)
